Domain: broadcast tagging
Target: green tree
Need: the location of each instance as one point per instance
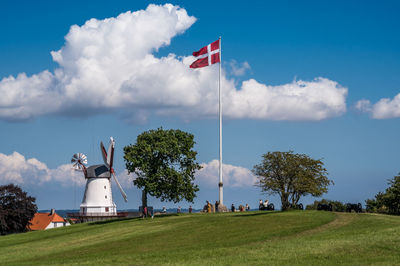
(16, 209)
(392, 196)
(291, 176)
(388, 201)
(164, 163)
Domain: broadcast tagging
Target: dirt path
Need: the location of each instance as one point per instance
(341, 219)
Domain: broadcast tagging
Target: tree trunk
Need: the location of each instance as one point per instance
(144, 198)
(285, 201)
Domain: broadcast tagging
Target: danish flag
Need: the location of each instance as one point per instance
(207, 55)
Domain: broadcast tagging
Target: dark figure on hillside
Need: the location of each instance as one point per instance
(179, 209)
(233, 209)
(145, 212)
(355, 207)
(324, 207)
(190, 209)
(216, 205)
(297, 206)
(164, 210)
(247, 207)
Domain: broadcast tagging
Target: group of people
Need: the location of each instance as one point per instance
(241, 208)
(210, 207)
(147, 212)
(262, 203)
(179, 210)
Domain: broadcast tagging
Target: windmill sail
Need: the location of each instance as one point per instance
(120, 188)
(110, 153)
(104, 154)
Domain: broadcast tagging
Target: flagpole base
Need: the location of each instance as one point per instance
(222, 208)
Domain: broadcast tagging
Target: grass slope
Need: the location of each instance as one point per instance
(305, 238)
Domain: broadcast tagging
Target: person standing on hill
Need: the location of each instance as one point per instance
(216, 205)
(208, 207)
(233, 209)
(190, 209)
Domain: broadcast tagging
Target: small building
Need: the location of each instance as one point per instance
(47, 220)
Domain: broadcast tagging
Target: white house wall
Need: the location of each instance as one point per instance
(57, 224)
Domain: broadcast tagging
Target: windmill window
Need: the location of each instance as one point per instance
(107, 209)
(105, 187)
(105, 196)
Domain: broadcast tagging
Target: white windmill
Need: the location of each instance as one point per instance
(97, 200)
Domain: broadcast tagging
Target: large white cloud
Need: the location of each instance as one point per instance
(299, 100)
(15, 168)
(233, 176)
(384, 108)
(110, 64)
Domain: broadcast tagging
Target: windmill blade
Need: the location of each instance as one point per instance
(120, 188)
(82, 158)
(77, 166)
(104, 154)
(110, 158)
(110, 152)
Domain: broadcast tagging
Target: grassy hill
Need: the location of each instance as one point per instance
(288, 238)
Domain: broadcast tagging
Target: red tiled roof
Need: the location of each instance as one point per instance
(41, 220)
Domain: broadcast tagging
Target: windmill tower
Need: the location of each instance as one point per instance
(97, 200)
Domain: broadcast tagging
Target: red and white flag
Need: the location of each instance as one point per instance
(207, 55)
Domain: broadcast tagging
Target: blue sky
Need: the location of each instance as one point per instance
(282, 46)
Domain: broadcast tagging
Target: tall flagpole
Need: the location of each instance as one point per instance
(220, 184)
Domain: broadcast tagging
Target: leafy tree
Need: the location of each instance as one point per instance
(377, 204)
(16, 209)
(291, 176)
(387, 202)
(164, 162)
(392, 196)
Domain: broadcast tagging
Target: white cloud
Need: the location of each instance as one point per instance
(384, 108)
(239, 69)
(125, 179)
(110, 64)
(363, 105)
(299, 100)
(233, 176)
(67, 176)
(15, 168)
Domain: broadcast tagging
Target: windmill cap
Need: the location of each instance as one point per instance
(98, 171)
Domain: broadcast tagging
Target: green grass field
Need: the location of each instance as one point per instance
(274, 238)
